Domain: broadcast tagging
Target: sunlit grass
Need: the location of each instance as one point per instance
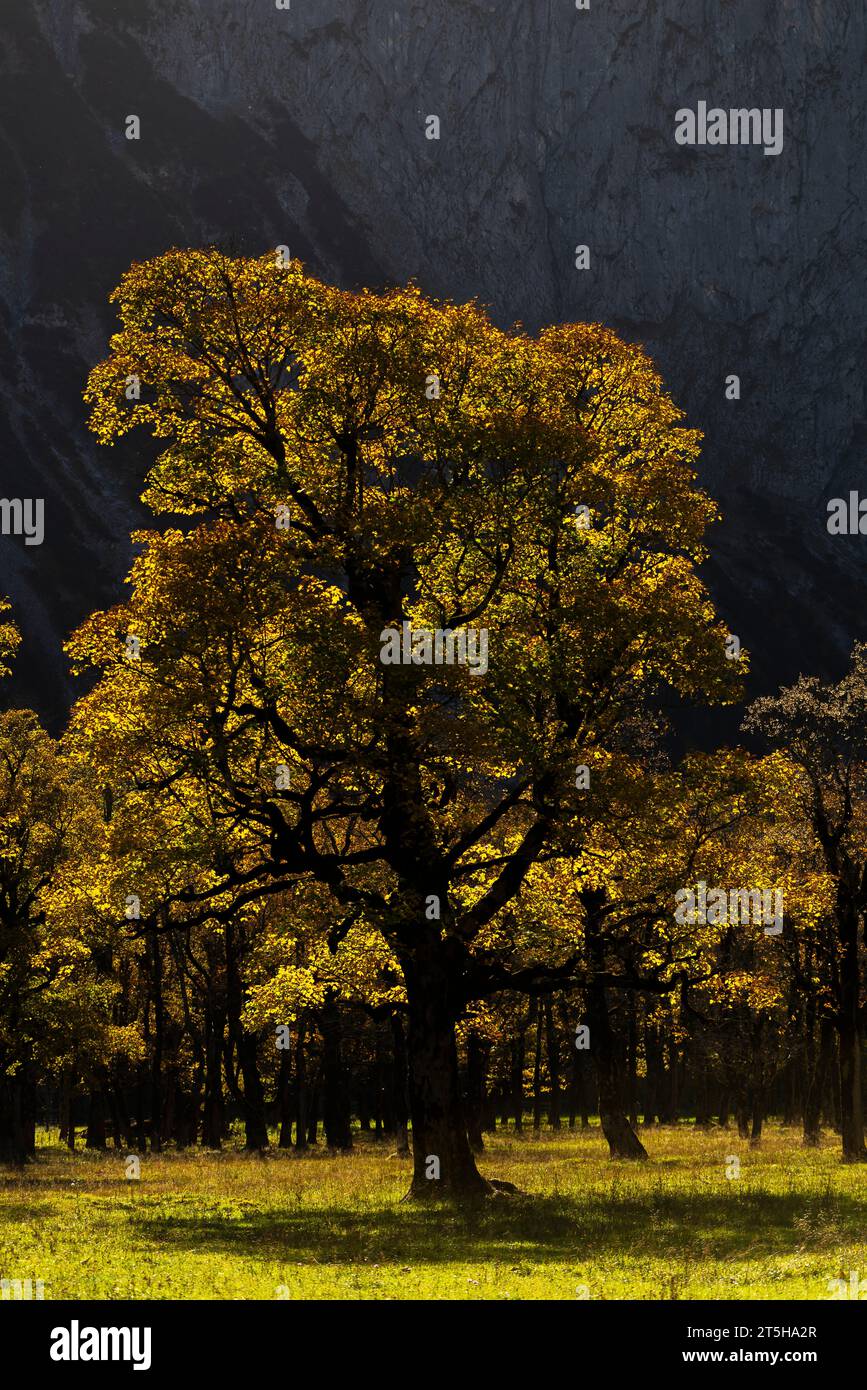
(231, 1225)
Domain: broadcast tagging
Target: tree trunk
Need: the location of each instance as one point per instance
(552, 1040)
(68, 1110)
(623, 1142)
(575, 1085)
(141, 1138)
(517, 1077)
(338, 1131)
(284, 1099)
(537, 1072)
(793, 1107)
(14, 1146)
(578, 1106)
(186, 1115)
(831, 1097)
(817, 1081)
(851, 1101)
(849, 1030)
(170, 1101)
(96, 1138)
(757, 1118)
(489, 1100)
(213, 1109)
(399, 1085)
(702, 1098)
(384, 1119)
(632, 1062)
(157, 1058)
(476, 1063)
(301, 1097)
(672, 1100)
(367, 1094)
(252, 1097)
(255, 1124)
(743, 1118)
(653, 1083)
(443, 1163)
(119, 1123)
(313, 1110)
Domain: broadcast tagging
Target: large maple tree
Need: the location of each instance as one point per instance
(344, 464)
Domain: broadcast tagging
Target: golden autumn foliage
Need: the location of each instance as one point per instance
(351, 464)
(279, 396)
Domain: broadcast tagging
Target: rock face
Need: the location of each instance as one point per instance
(307, 127)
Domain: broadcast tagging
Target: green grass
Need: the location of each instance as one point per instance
(234, 1226)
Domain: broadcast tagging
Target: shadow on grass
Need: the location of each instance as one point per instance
(540, 1229)
(17, 1213)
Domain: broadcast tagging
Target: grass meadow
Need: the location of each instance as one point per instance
(230, 1225)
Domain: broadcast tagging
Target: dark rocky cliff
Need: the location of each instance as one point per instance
(307, 127)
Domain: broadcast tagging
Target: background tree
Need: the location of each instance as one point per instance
(44, 959)
(821, 731)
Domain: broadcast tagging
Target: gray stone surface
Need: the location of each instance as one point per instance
(306, 127)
